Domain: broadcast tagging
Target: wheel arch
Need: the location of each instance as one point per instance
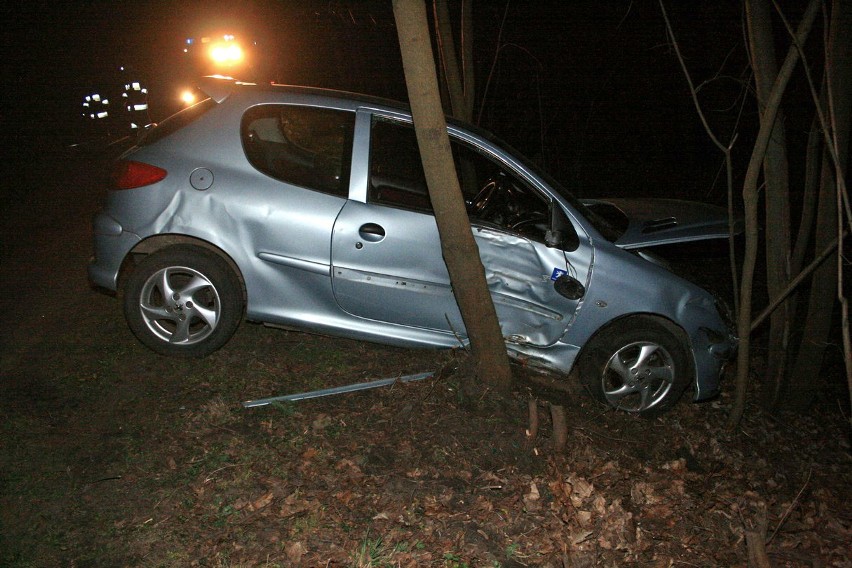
(665, 322)
(158, 243)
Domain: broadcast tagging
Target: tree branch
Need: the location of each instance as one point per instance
(750, 199)
(725, 150)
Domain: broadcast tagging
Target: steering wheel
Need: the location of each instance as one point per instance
(484, 198)
(530, 223)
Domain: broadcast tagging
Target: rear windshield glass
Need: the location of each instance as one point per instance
(176, 121)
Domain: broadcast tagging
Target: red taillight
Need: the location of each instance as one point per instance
(129, 174)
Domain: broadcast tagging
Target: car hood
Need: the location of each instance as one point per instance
(655, 222)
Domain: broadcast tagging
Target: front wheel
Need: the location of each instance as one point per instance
(184, 301)
(638, 365)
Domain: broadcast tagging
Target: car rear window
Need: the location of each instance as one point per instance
(309, 147)
(177, 121)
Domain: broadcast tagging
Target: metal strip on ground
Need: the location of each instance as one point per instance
(336, 390)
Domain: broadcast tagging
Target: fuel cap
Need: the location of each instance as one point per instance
(201, 179)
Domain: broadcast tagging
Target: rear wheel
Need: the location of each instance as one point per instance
(638, 365)
(184, 301)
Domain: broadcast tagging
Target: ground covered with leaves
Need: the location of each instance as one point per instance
(111, 455)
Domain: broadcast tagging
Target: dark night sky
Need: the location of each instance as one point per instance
(591, 86)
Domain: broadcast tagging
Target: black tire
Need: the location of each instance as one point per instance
(639, 365)
(183, 301)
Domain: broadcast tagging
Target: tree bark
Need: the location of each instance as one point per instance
(776, 192)
(458, 246)
(532, 431)
(810, 186)
(756, 542)
(458, 74)
(750, 200)
(822, 298)
(560, 428)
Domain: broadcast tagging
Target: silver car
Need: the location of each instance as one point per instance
(308, 209)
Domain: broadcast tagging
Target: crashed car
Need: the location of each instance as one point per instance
(308, 209)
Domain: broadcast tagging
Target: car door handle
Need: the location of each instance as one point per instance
(371, 232)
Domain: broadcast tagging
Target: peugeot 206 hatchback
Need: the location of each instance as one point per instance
(308, 209)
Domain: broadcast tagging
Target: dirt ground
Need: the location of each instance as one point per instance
(111, 455)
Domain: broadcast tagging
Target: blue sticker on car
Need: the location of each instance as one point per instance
(557, 272)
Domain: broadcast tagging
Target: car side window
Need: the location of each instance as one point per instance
(493, 196)
(396, 172)
(305, 146)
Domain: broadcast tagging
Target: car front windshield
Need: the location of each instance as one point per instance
(604, 227)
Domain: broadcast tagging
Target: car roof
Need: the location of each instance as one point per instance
(219, 88)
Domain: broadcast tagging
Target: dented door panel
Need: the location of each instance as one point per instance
(402, 278)
(520, 274)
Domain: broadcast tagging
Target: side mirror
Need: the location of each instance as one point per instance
(569, 287)
(561, 234)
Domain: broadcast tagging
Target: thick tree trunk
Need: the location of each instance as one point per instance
(458, 246)
(804, 238)
(805, 371)
(458, 74)
(813, 167)
(750, 202)
(776, 192)
(822, 299)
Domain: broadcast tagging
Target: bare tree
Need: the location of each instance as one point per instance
(725, 148)
(826, 285)
(457, 66)
(776, 191)
(750, 201)
(458, 246)
(821, 227)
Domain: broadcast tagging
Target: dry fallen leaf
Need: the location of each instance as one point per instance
(531, 499)
(321, 422)
(295, 551)
(344, 496)
(643, 493)
(580, 536)
(533, 495)
(599, 504)
(262, 501)
(293, 505)
(349, 466)
(580, 490)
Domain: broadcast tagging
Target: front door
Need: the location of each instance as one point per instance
(386, 253)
